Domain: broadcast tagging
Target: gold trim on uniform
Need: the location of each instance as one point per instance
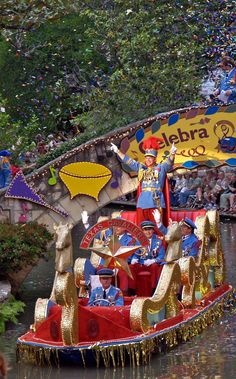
(151, 189)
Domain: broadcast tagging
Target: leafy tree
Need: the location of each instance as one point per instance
(45, 84)
(16, 136)
(22, 245)
(108, 63)
(8, 128)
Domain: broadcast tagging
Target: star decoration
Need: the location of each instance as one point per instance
(115, 255)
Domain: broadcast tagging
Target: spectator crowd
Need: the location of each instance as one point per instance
(208, 189)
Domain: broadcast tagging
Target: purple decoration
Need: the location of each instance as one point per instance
(116, 176)
(124, 146)
(192, 113)
(19, 189)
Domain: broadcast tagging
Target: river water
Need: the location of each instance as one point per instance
(209, 355)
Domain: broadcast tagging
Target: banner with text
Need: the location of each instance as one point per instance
(203, 136)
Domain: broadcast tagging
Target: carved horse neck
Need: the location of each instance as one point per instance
(64, 253)
(63, 237)
(64, 256)
(174, 240)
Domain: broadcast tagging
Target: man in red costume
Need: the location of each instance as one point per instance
(151, 177)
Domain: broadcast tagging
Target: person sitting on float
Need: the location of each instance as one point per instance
(150, 259)
(125, 239)
(103, 238)
(106, 294)
(190, 242)
(151, 176)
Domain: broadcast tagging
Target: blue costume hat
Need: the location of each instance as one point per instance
(5, 153)
(186, 221)
(105, 272)
(147, 225)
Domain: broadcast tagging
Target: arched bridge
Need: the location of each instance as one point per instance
(58, 196)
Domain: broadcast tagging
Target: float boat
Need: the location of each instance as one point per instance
(66, 330)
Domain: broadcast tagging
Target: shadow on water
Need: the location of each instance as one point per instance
(209, 355)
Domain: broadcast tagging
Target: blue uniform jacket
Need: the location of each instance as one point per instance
(127, 240)
(5, 172)
(105, 236)
(190, 245)
(150, 178)
(155, 251)
(114, 296)
(228, 83)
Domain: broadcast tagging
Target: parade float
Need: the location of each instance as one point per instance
(66, 330)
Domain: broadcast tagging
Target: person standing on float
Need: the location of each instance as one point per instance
(151, 176)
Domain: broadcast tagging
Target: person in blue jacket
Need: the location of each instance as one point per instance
(103, 237)
(125, 239)
(106, 294)
(227, 89)
(151, 176)
(149, 260)
(190, 242)
(5, 168)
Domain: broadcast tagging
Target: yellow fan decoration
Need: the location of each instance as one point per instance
(85, 178)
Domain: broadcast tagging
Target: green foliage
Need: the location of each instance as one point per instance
(14, 135)
(25, 15)
(103, 64)
(21, 245)
(61, 61)
(8, 129)
(9, 310)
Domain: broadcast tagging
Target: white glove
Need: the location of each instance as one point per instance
(157, 216)
(173, 149)
(134, 261)
(114, 148)
(149, 262)
(85, 217)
